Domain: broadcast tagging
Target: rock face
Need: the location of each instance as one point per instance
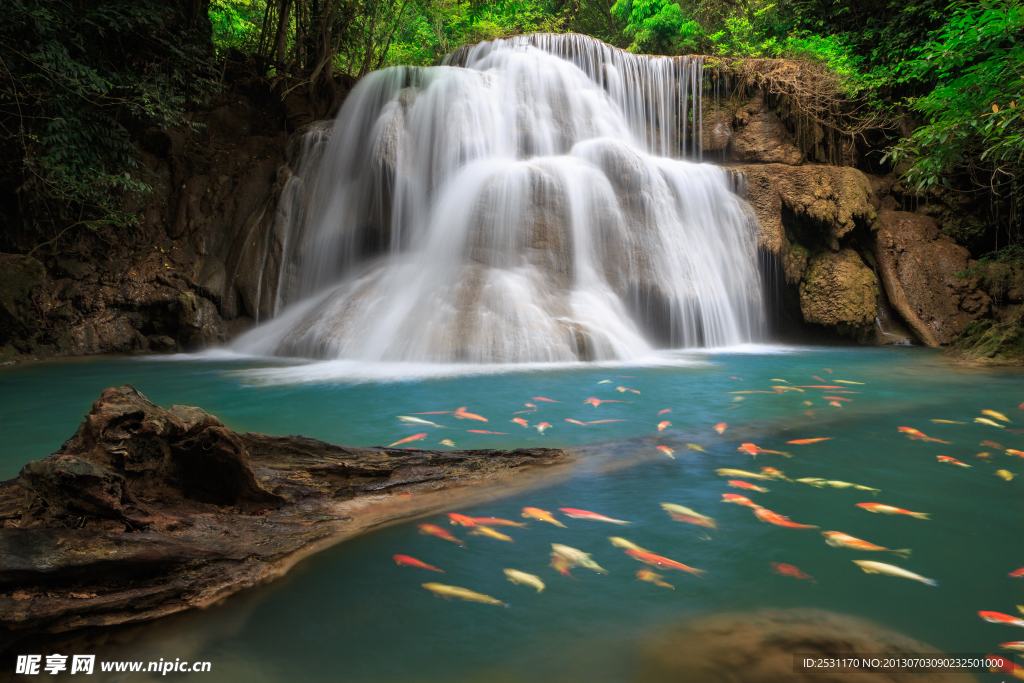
(760, 136)
(921, 265)
(839, 291)
(145, 512)
(987, 342)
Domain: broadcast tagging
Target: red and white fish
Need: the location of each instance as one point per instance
(1014, 451)
(596, 401)
(774, 473)
(528, 405)
(739, 500)
(951, 461)
(546, 400)
(1017, 645)
(838, 539)
(746, 485)
(520, 421)
(601, 422)
(576, 422)
(666, 410)
(659, 561)
(766, 515)
(414, 437)
(1004, 665)
(1000, 618)
(837, 404)
(1016, 574)
(839, 398)
(497, 521)
(916, 435)
(720, 427)
(455, 519)
(483, 431)
(542, 427)
(433, 530)
(890, 510)
(663, 425)
(804, 442)
(461, 414)
(755, 450)
(789, 570)
(993, 444)
(667, 451)
(406, 561)
(592, 516)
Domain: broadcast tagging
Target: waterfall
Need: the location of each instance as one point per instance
(529, 200)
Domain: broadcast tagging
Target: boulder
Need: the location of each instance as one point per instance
(838, 290)
(761, 137)
(987, 342)
(199, 324)
(925, 274)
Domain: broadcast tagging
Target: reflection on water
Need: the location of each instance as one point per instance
(352, 613)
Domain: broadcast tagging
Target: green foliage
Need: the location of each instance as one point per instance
(237, 24)
(657, 26)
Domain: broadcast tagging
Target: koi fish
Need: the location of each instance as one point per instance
(605, 381)
(576, 422)
(870, 567)
(818, 386)
(601, 422)
(766, 515)
(461, 414)
(844, 381)
(620, 542)
(915, 435)
(984, 455)
(839, 398)
(520, 421)
(994, 414)
(667, 451)
(406, 561)
(755, 450)
(986, 421)
(576, 558)
(483, 431)
(804, 442)
(497, 521)
(542, 427)
(820, 379)
(890, 510)
(781, 389)
(659, 561)
(560, 565)
(528, 405)
(746, 485)
(1014, 645)
(684, 514)
(455, 519)
(1000, 618)
(596, 401)
(778, 380)
(592, 516)
(433, 530)
(1017, 573)
(837, 404)
(546, 400)
(442, 591)
(541, 516)
(807, 403)
(1005, 475)
(739, 500)
(652, 577)
(666, 410)
(414, 437)
(789, 570)
(993, 444)
(735, 377)
(663, 425)
(726, 472)
(490, 533)
(524, 579)
(947, 422)
(447, 442)
(621, 390)
(774, 473)
(951, 461)
(1014, 451)
(721, 427)
(838, 539)
(1004, 666)
(418, 421)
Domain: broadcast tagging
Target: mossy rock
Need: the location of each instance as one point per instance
(990, 343)
(839, 291)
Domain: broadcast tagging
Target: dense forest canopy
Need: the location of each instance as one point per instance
(938, 83)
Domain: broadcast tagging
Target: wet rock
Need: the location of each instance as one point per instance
(928, 271)
(839, 290)
(199, 324)
(717, 130)
(759, 647)
(145, 511)
(19, 275)
(833, 197)
(761, 137)
(987, 342)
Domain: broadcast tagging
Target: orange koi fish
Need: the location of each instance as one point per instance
(1004, 665)
(766, 515)
(596, 401)
(789, 570)
(576, 422)
(528, 405)
(667, 451)
(994, 414)
(838, 539)
(818, 386)
(754, 450)
(456, 519)
(542, 516)
(721, 427)
(652, 577)
(483, 431)
(739, 500)
(774, 473)
(741, 379)
(432, 530)
(890, 510)
(951, 461)
(1014, 451)
(820, 379)
(746, 485)
(1016, 574)
(663, 425)
(542, 427)
(406, 561)
(666, 410)
(601, 422)
(488, 531)
(520, 421)
(541, 398)
(1000, 618)
(592, 516)
(915, 435)
(560, 565)
(414, 437)
(839, 398)
(837, 404)
(497, 521)
(659, 561)
(461, 414)
(993, 444)
(1017, 645)
(804, 442)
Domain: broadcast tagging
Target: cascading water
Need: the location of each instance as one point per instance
(525, 202)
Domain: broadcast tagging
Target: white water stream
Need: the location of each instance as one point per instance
(530, 204)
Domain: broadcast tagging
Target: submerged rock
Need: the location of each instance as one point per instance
(759, 647)
(146, 512)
